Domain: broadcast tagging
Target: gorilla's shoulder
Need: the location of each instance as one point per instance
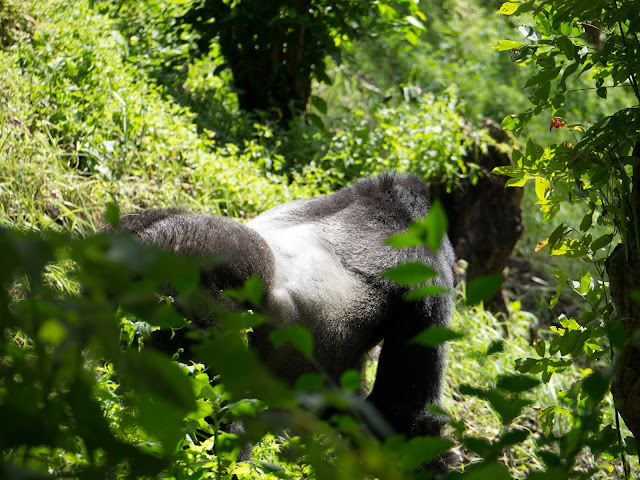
(393, 192)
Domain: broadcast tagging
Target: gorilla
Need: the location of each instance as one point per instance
(321, 263)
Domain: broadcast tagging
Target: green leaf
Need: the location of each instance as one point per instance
(52, 331)
(570, 248)
(253, 290)
(350, 380)
(508, 8)
(554, 299)
(490, 470)
(513, 437)
(301, 338)
(157, 375)
(585, 224)
(506, 45)
(556, 473)
(543, 22)
(497, 346)
(631, 445)
(405, 240)
(568, 71)
(483, 288)
(566, 28)
(617, 334)
(601, 242)
(411, 273)
(270, 467)
(530, 365)
(556, 235)
(316, 121)
(511, 122)
(516, 182)
(436, 225)
(434, 336)
(478, 445)
(310, 381)
(420, 450)
(411, 37)
(244, 407)
(507, 170)
(566, 46)
(542, 95)
(295, 334)
(112, 214)
(542, 187)
(585, 282)
(517, 383)
(596, 386)
(319, 104)
(426, 291)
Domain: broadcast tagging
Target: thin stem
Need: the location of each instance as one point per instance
(632, 77)
(573, 90)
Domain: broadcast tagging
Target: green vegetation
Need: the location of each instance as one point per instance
(598, 171)
(103, 108)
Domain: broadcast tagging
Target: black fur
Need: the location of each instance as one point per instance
(321, 262)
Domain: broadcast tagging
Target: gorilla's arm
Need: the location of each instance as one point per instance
(232, 251)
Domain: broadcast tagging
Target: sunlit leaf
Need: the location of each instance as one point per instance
(415, 22)
(506, 45)
(508, 8)
(411, 273)
(542, 244)
(425, 291)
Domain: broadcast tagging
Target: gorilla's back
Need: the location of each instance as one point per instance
(330, 255)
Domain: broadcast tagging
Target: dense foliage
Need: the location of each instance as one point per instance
(127, 411)
(274, 49)
(598, 171)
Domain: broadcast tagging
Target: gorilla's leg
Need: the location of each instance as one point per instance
(409, 376)
(408, 379)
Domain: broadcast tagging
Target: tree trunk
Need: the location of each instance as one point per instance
(485, 219)
(624, 278)
(275, 81)
(623, 269)
(271, 55)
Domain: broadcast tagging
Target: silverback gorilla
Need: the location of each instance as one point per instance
(321, 262)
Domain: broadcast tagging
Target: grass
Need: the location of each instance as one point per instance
(469, 364)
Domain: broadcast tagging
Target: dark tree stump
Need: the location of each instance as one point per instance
(485, 219)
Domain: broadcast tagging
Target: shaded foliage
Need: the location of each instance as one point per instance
(274, 49)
